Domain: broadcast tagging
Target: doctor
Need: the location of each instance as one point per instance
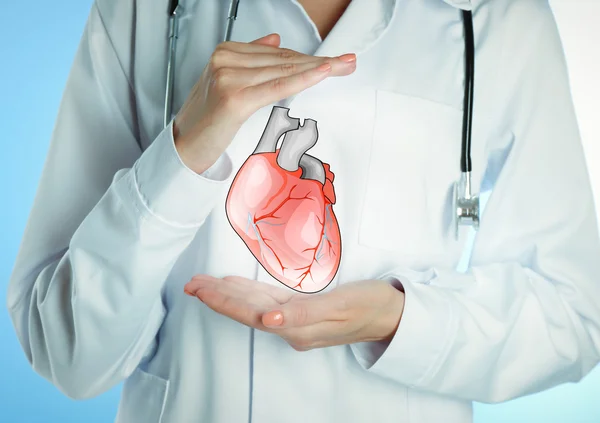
(130, 217)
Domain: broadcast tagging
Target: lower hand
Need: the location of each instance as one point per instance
(363, 311)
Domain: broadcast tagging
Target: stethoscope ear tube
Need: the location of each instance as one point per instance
(233, 11)
(173, 34)
(465, 160)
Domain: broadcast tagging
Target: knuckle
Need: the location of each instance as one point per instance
(225, 45)
(302, 344)
(305, 77)
(218, 59)
(342, 304)
(299, 346)
(230, 101)
(300, 315)
(278, 84)
(225, 305)
(301, 341)
(212, 65)
(287, 54)
(289, 68)
(221, 77)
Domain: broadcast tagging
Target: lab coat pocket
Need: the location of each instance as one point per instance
(413, 164)
(143, 398)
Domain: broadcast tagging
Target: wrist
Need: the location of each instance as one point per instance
(192, 153)
(197, 161)
(393, 314)
(200, 147)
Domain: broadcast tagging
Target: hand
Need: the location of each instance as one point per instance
(362, 311)
(239, 79)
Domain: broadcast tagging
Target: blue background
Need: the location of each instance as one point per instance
(37, 45)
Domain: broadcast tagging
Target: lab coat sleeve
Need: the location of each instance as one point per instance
(107, 225)
(526, 315)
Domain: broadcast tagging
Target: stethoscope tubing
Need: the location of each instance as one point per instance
(465, 159)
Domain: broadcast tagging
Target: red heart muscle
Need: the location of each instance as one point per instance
(284, 215)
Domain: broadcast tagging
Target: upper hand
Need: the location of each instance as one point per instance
(355, 312)
(239, 79)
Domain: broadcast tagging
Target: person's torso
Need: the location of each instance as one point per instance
(391, 133)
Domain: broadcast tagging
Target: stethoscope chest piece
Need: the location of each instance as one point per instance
(465, 206)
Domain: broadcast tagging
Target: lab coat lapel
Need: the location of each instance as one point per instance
(361, 25)
(461, 4)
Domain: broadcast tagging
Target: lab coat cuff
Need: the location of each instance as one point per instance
(423, 337)
(171, 191)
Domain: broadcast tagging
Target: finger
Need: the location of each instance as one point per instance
(227, 58)
(267, 44)
(243, 287)
(303, 312)
(245, 77)
(226, 298)
(247, 48)
(231, 305)
(205, 283)
(280, 294)
(261, 95)
(270, 39)
(199, 282)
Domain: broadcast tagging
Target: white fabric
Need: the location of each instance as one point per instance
(119, 224)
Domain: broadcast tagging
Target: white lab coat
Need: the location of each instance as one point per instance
(119, 224)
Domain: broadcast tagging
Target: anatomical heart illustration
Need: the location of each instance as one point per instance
(281, 205)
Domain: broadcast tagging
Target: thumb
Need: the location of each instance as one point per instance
(299, 313)
(269, 40)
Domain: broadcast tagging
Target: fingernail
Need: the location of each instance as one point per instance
(188, 293)
(324, 67)
(348, 58)
(273, 319)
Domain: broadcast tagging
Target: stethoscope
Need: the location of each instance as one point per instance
(465, 205)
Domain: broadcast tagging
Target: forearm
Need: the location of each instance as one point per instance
(93, 310)
(497, 333)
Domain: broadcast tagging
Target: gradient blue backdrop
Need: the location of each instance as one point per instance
(37, 44)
